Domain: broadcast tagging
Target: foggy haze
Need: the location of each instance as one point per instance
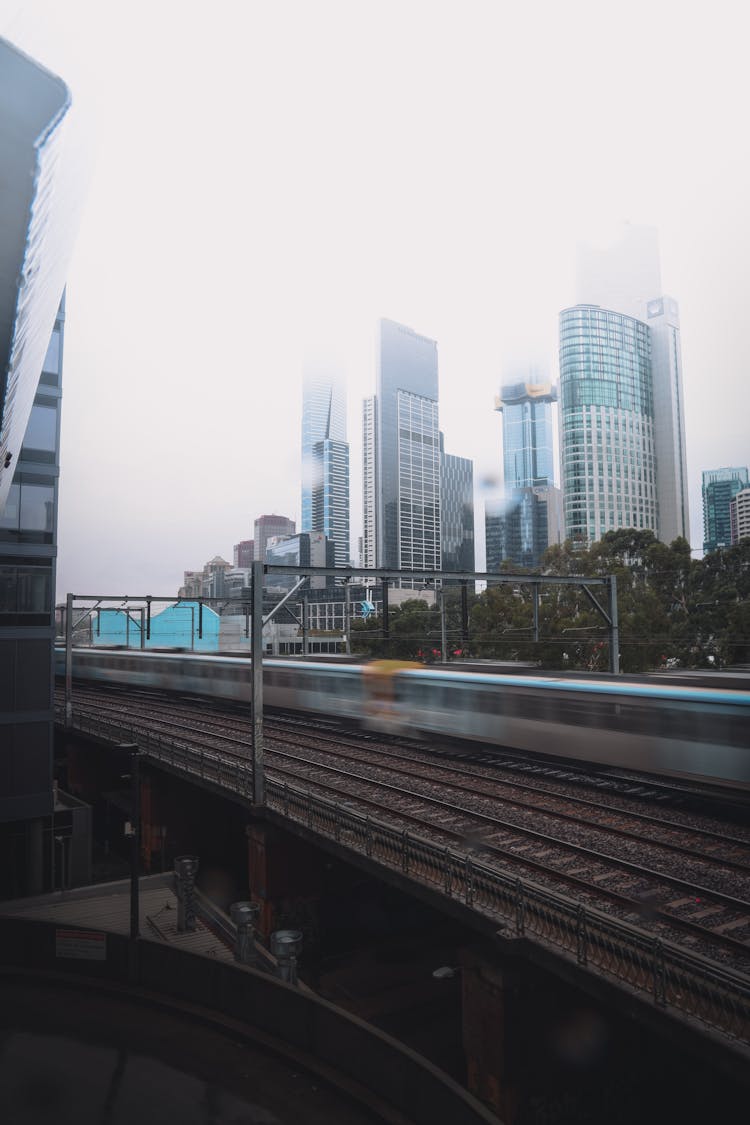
(272, 179)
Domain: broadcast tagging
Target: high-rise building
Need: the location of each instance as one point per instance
(622, 413)
(456, 511)
(720, 486)
(39, 200)
(402, 462)
(266, 527)
(520, 528)
(739, 514)
(243, 553)
(325, 462)
(607, 415)
(368, 549)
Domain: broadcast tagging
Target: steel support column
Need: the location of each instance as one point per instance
(259, 779)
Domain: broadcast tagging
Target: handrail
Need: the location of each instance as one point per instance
(697, 988)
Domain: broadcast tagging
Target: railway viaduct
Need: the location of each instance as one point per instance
(554, 1001)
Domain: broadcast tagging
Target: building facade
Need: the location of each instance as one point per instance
(720, 486)
(308, 548)
(244, 553)
(739, 515)
(325, 463)
(608, 442)
(456, 511)
(39, 202)
(521, 527)
(369, 543)
(623, 281)
(268, 527)
(402, 462)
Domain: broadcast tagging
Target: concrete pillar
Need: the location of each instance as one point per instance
(35, 856)
(489, 1018)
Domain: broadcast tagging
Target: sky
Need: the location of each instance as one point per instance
(272, 178)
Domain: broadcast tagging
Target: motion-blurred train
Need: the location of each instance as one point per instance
(702, 733)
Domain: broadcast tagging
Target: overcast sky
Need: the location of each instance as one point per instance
(271, 178)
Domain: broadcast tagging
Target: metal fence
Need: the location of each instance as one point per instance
(693, 986)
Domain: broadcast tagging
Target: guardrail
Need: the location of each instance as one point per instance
(686, 983)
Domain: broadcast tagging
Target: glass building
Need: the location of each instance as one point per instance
(325, 463)
(625, 278)
(720, 486)
(40, 196)
(520, 527)
(402, 463)
(607, 422)
(267, 527)
(456, 511)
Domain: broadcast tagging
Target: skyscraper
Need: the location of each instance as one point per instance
(266, 527)
(622, 414)
(39, 201)
(608, 448)
(720, 486)
(521, 527)
(456, 511)
(325, 462)
(402, 461)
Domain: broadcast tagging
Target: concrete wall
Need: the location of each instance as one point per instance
(341, 1048)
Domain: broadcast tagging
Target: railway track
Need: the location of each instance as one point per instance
(688, 882)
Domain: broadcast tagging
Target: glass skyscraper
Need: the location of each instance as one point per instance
(632, 334)
(521, 526)
(325, 462)
(39, 200)
(456, 511)
(402, 453)
(720, 486)
(607, 415)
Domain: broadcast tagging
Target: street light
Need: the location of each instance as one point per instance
(133, 830)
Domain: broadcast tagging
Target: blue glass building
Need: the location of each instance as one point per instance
(519, 528)
(456, 511)
(719, 487)
(325, 463)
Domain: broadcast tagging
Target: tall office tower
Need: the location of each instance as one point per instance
(608, 444)
(739, 515)
(243, 553)
(39, 201)
(402, 503)
(625, 279)
(456, 511)
(325, 462)
(266, 527)
(522, 527)
(720, 486)
(368, 551)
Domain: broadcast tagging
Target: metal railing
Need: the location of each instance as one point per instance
(695, 987)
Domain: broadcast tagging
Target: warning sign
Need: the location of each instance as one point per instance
(84, 945)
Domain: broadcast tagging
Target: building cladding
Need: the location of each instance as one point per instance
(325, 462)
(739, 514)
(402, 463)
(720, 486)
(607, 420)
(267, 527)
(456, 511)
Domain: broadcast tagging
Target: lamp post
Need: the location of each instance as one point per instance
(134, 831)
